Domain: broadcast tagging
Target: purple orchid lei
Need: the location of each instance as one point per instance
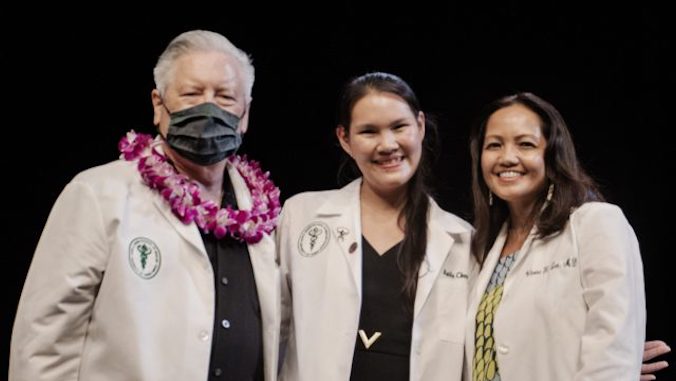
(183, 194)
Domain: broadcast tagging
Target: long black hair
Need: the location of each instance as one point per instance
(413, 216)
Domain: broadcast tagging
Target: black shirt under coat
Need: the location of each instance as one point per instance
(237, 344)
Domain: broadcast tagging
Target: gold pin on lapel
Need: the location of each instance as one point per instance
(368, 341)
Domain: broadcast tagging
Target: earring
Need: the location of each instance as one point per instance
(550, 192)
(490, 198)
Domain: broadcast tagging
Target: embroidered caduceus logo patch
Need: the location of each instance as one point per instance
(313, 239)
(144, 257)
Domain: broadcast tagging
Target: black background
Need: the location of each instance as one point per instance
(75, 80)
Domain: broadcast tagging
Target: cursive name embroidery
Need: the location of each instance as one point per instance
(568, 262)
(456, 274)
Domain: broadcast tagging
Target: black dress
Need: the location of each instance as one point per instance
(384, 310)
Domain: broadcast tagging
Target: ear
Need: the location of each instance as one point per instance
(421, 123)
(158, 107)
(343, 139)
(244, 122)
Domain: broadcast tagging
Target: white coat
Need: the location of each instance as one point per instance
(319, 240)
(573, 303)
(89, 311)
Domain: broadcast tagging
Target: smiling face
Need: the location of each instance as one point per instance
(513, 156)
(385, 140)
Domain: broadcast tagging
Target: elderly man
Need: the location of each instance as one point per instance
(161, 265)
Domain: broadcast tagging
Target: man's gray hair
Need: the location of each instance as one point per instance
(204, 41)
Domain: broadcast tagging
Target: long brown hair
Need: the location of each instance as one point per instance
(416, 208)
(572, 186)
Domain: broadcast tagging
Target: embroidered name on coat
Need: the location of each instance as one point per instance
(568, 262)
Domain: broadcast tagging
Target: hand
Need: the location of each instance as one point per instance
(651, 350)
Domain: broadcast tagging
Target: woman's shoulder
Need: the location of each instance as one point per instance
(598, 215)
(337, 197)
(312, 199)
(450, 221)
(596, 209)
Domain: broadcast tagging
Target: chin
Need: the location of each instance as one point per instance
(392, 185)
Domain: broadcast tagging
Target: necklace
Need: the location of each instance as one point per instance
(184, 196)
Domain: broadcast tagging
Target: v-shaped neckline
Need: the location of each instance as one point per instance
(386, 252)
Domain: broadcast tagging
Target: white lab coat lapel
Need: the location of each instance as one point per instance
(521, 257)
(262, 256)
(476, 293)
(439, 243)
(344, 211)
(189, 232)
(485, 276)
(489, 263)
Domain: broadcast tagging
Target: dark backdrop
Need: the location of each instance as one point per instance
(74, 85)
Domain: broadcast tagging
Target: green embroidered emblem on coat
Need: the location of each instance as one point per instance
(144, 257)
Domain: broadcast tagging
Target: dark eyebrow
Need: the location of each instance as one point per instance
(526, 136)
(399, 121)
(367, 125)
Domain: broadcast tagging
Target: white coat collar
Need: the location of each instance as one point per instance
(343, 209)
(343, 212)
(261, 254)
(442, 231)
(190, 232)
(492, 259)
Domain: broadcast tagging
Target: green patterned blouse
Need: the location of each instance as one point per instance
(485, 366)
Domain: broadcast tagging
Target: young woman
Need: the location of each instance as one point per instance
(377, 275)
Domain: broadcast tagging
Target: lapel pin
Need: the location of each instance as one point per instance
(342, 232)
(353, 247)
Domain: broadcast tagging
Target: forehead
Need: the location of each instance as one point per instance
(514, 119)
(375, 104)
(207, 69)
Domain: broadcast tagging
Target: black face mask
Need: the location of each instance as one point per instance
(204, 134)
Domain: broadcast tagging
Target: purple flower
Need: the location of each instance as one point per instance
(186, 201)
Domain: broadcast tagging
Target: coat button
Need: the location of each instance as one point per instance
(225, 323)
(224, 280)
(218, 372)
(203, 335)
(503, 349)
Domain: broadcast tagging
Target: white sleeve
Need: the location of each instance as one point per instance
(60, 288)
(613, 290)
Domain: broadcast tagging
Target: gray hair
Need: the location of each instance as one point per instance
(205, 41)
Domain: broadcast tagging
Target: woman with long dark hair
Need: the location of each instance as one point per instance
(560, 295)
(377, 275)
